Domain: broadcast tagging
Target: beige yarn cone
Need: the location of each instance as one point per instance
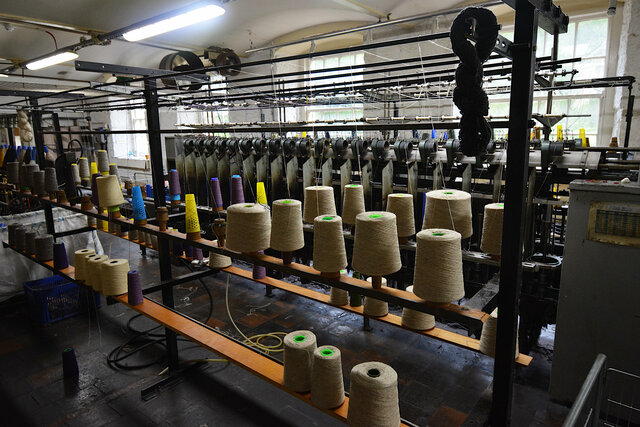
(109, 192)
(417, 320)
(327, 384)
(402, 206)
(286, 225)
(338, 297)
(373, 396)
(114, 276)
(318, 200)
(438, 266)
(488, 336)
(375, 307)
(248, 227)
(298, 360)
(353, 203)
(450, 209)
(329, 254)
(94, 271)
(218, 261)
(492, 229)
(80, 261)
(376, 251)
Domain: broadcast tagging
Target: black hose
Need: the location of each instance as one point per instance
(469, 96)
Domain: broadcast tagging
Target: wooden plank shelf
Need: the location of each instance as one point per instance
(471, 318)
(236, 353)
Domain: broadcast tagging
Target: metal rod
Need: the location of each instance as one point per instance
(526, 26)
(36, 118)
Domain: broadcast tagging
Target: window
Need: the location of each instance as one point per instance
(338, 111)
(587, 38)
(130, 146)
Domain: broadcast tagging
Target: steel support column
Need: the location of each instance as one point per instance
(523, 49)
(157, 172)
(36, 118)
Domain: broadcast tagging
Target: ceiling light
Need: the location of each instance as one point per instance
(181, 20)
(4, 75)
(47, 61)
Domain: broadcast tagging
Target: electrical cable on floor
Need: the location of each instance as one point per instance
(147, 338)
(255, 340)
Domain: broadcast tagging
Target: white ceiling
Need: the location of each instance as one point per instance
(246, 24)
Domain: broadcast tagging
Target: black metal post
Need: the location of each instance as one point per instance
(157, 172)
(38, 137)
(56, 127)
(12, 140)
(524, 47)
(629, 117)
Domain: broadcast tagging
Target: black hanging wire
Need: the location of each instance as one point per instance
(469, 96)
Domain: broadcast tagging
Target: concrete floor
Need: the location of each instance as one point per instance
(439, 384)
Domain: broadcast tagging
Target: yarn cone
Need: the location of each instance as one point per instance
(192, 224)
(353, 203)
(450, 209)
(376, 251)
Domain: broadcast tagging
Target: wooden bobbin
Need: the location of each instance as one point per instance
(175, 202)
(62, 197)
(128, 186)
(376, 282)
(143, 190)
(85, 203)
(195, 235)
(220, 230)
(287, 258)
(331, 275)
(162, 215)
(52, 196)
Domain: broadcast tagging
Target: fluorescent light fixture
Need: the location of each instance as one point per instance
(182, 20)
(47, 61)
(4, 75)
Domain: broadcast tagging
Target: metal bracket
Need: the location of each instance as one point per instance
(551, 17)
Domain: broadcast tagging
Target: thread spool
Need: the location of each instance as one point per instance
(318, 200)
(69, 363)
(338, 297)
(94, 273)
(287, 235)
(373, 396)
(94, 168)
(488, 336)
(50, 182)
(75, 173)
(133, 235)
(113, 170)
(402, 206)
(149, 191)
(23, 177)
(216, 195)
(218, 261)
(450, 209)
(12, 233)
(30, 169)
(114, 277)
(492, 229)
(329, 254)
(61, 197)
(353, 203)
(60, 260)
(258, 271)
(261, 194)
(38, 184)
(44, 247)
(248, 227)
(174, 186)
(148, 241)
(134, 288)
(327, 384)
(438, 266)
(109, 192)
(139, 211)
(80, 262)
(374, 307)
(13, 173)
(188, 252)
(237, 192)
(162, 216)
(102, 158)
(375, 250)
(192, 224)
(298, 359)
(143, 188)
(20, 239)
(85, 172)
(128, 186)
(30, 242)
(417, 320)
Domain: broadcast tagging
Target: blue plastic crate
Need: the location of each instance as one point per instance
(55, 298)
